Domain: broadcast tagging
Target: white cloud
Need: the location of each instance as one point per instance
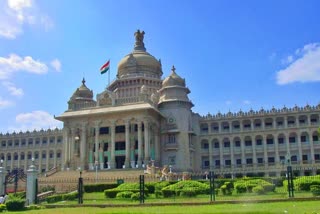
(16, 63)
(15, 14)
(306, 68)
(35, 120)
(56, 64)
(246, 102)
(5, 103)
(13, 90)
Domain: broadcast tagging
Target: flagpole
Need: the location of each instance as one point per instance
(109, 75)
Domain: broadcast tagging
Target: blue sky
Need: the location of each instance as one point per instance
(233, 54)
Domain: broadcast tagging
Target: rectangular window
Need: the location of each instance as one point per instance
(205, 146)
(172, 160)
(247, 125)
(120, 129)
(302, 121)
(216, 145)
(237, 143)
(270, 159)
(258, 125)
(303, 139)
(315, 138)
(292, 139)
(30, 142)
(304, 157)
(290, 122)
(136, 144)
(172, 138)
(280, 123)
(22, 157)
(225, 127)
(238, 161)
(44, 141)
(227, 162)
(216, 128)
(59, 140)
(236, 126)
(105, 147)
(36, 156)
(249, 160)
(260, 160)
(280, 140)
(269, 124)
(51, 155)
(120, 146)
(269, 141)
(16, 143)
(294, 158)
(317, 156)
(29, 156)
(282, 158)
(226, 144)
(259, 142)
(58, 155)
(43, 156)
(217, 162)
(104, 130)
(248, 143)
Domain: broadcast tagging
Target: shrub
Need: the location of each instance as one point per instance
(240, 188)
(34, 207)
(315, 189)
(125, 194)
(54, 198)
(168, 193)
(160, 185)
(258, 190)
(268, 187)
(2, 207)
(15, 204)
(111, 193)
(136, 196)
(197, 187)
(70, 196)
(20, 195)
(303, 183)
(188, 193)
(98, 187)
(132, 187)
(227, 188)
(151, 187)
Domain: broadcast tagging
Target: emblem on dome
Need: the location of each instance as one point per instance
(131, 60)
(139, 45)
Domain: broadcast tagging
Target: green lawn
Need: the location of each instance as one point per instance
(306, 207)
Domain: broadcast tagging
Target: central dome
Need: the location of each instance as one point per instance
(139, 62)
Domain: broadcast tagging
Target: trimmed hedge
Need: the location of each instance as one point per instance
(255, 185)
(15, 204)
(305, 182)
(131, 187)
(125, 194)
(315, 189)
(98, 187)
(2, 207)
(62, 197)
(175, 189)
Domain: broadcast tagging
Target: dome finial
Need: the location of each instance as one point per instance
(173, 69)
(83, 81)
(139, 45)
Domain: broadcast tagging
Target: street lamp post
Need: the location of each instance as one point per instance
(289, 176)
(96, 163)
(80, 188)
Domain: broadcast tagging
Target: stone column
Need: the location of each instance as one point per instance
(311, 147)
(277, 159)
(265, 150)
(55, 158)
(210, 156)
(243, 155)
(47, 159)
(157, 146)
(65, 156)
(146, 143)
(221, 154)
(139, 144)
(127, 135)
(96, 142)
(40, 161)
(299, 148)
(254, 152)
(112, 146)
(31, 184)
(83, 141)
(2, 178)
